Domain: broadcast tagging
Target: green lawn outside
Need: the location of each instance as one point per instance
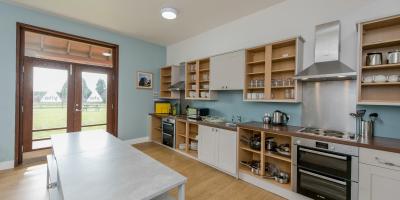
(46, 117)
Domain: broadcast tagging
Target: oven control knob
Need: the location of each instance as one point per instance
(298, 142)
(332, 148)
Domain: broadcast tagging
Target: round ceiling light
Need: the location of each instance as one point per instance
(169, 13)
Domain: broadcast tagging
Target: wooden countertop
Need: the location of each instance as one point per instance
(212, 124)
(377, 143)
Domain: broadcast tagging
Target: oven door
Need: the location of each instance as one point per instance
(168, 139)
(325, 162)
(168, 128)
(317, 186)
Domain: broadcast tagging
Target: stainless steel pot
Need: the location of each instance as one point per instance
(374, 59)
(393, 57)
(279, 118)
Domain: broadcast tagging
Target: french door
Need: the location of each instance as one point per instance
(60, 97)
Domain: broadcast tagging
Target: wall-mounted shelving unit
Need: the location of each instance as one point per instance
(270, 71)
(247, 154)
(378, 36)
(197, 80)
(169, 75)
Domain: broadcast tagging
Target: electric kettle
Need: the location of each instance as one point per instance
(279, 118)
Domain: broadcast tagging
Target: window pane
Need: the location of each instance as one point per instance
(50, 92)
(94, 99)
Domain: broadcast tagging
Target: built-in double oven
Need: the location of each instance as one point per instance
(326, 171)
(168, 131)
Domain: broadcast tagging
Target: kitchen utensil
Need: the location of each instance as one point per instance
(361, 113)
(373, 116)
(393, 78)
(374, 59)
(254, 166)
(267, 118)
(393, 57)
(255, 142)
(279, 118)
(182, 146)
(282, 178)
(380, 78)
(283, 149)
(270, 144)
(367, 129)
(368, 79)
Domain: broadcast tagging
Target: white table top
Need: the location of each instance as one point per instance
(96, 165)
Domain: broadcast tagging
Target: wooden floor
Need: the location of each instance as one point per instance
(205, 182)
(28, 181)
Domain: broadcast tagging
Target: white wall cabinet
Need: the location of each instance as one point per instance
(217, 147)
(227, 71)
(379, 175)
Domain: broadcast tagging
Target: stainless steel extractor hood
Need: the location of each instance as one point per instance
(327, 65)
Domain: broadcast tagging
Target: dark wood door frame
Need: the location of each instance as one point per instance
(21, 28)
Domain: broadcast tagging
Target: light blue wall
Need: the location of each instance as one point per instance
(231, 103)
(134, 55)
(388, 124)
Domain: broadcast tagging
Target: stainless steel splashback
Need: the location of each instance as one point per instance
(327, 105)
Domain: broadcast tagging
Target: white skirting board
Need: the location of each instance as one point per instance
(7, 165)
(272, 188)
(138, 140)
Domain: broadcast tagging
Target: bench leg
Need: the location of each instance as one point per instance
(181, 192)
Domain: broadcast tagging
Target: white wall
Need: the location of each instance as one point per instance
(284, 20)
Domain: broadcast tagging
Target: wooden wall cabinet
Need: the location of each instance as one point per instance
(227, 71)
(378, 36)
(169, 75)
(270, 71)
(217, 147)
(197, 80)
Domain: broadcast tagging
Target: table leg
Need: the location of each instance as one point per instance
(181, 192)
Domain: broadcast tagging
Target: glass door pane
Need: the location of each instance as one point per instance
(50, 94)
(94, 101)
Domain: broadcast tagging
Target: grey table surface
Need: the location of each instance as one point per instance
(97, 165)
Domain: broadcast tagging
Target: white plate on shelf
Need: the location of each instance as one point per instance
(380, 78)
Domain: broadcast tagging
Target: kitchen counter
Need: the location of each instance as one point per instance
(184, 118)
(377, 143)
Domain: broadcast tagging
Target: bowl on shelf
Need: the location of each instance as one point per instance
(393, 78)
(380, 78)
(182, 146)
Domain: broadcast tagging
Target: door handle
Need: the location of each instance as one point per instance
(77, 110)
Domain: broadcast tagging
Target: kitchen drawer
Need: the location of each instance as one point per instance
(378, 158)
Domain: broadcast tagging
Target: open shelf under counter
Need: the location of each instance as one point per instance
(256, 73)
(250, 150)
(245, 170)
(277, 156)
(256, 62)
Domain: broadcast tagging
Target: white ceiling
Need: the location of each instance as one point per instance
(141, 18)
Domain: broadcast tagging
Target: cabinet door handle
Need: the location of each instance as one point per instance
(386, 163)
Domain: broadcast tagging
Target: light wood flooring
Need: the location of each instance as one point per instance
(204, 183)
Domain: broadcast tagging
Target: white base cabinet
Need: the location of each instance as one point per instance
(217, 147)
(379, 175)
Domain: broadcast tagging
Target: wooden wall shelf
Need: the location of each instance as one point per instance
(378, 36)
(169, 75)
(276, 61)
(197, 80)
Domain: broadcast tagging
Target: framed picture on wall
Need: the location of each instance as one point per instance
(144, 80)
